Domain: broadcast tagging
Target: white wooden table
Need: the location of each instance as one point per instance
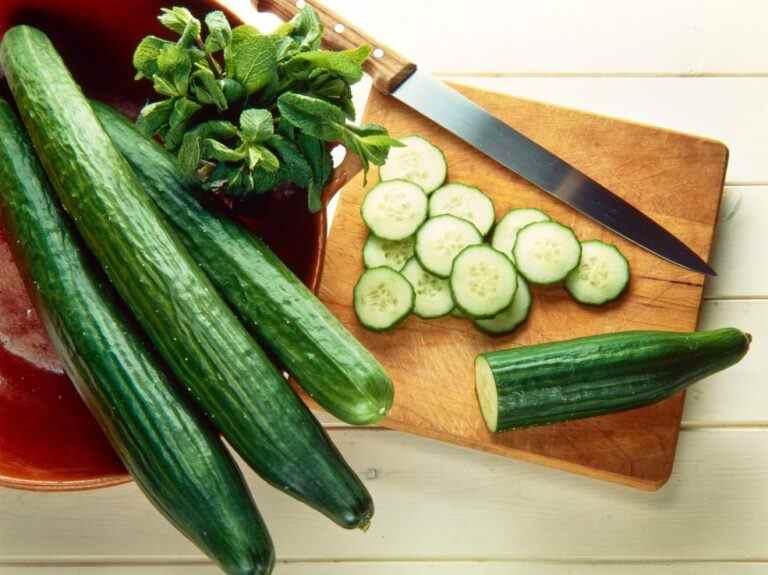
(699, 66)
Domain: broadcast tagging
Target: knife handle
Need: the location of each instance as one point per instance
(387, 68)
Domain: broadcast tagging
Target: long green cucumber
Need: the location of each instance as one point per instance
(176, 458)
(286, 317)
(193, 329)
(560, 381)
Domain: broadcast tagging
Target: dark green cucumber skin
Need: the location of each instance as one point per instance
(176, 458)
(585, 377)
(193, 329)
(286, 317)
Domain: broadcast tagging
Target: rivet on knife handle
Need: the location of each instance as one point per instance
(387, 68)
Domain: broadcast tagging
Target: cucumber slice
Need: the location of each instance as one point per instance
(464, 202)
(546, 252)
(394, 210)
(433, 294)
(483, 281)
(441, 239)
(511, 317)
(602, 275)
(382, 298)
(393, 254)
(418, 161)
(505, 234)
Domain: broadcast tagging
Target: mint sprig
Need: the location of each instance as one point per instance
(248, 112)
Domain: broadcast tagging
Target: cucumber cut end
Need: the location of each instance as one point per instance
(485, 386)
(394, 210)
(382, 298)
(602, 275)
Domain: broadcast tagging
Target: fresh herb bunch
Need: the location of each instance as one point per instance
(248, 112)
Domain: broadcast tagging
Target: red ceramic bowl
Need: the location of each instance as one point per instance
(48, 440)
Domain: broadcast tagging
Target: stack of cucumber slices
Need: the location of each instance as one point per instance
(431, 252)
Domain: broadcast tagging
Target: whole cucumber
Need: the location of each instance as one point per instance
(589, 376)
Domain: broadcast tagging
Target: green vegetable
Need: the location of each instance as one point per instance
(285, 316)
(284, 79)
(172, 453)
(551, 382)
(203, 343)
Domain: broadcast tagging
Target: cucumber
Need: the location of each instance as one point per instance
(585, 377)
(456, 312)
(199, 337)
(382, 298)
(433, 294)
(508, 319)
(465, 202)
(483, 281)
(389, 253)
(328, 362)
(602, 274)
(418, 161)
(171, 452)
(546, 252)
(394, 210)
(441, 239)
(505, 233)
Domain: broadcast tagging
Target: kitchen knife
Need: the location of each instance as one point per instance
(396, 76)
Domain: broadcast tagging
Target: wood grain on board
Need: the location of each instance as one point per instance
(674, 178)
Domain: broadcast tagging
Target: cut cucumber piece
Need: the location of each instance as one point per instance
(395, 210)
(546, 252)
(483, 281)
(441, 239)
(456, 312)
(393, 254)
(418, 161)
(464, 202)
(602, 274)
(505, 234)
(433, 294)
(511, 317)
(382, 298)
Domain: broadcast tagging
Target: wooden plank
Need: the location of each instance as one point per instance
(714, 508)
(732, 110)
(411, 568)
(675, 178)
(551, 36)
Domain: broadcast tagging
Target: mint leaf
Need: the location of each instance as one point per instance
(183, 110)
(164, 87)
(321, 163)
(347, 65)
(233, 90)
(216, 129)
(189, 154)
(313, 116)
(176, 18)
(154, 117)
(146, 53)
(293, 166)
(256, 125)
(307, 29)
(175, 66)
(268, 160)
(219, 31)
(207, 90)
(251, 58)
(213, 150)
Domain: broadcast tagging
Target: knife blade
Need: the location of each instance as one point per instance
(496, 139)
(396, 76)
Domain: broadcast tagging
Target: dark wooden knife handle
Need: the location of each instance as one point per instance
(387, 68)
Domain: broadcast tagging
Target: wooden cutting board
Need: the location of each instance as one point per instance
(676, 179)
